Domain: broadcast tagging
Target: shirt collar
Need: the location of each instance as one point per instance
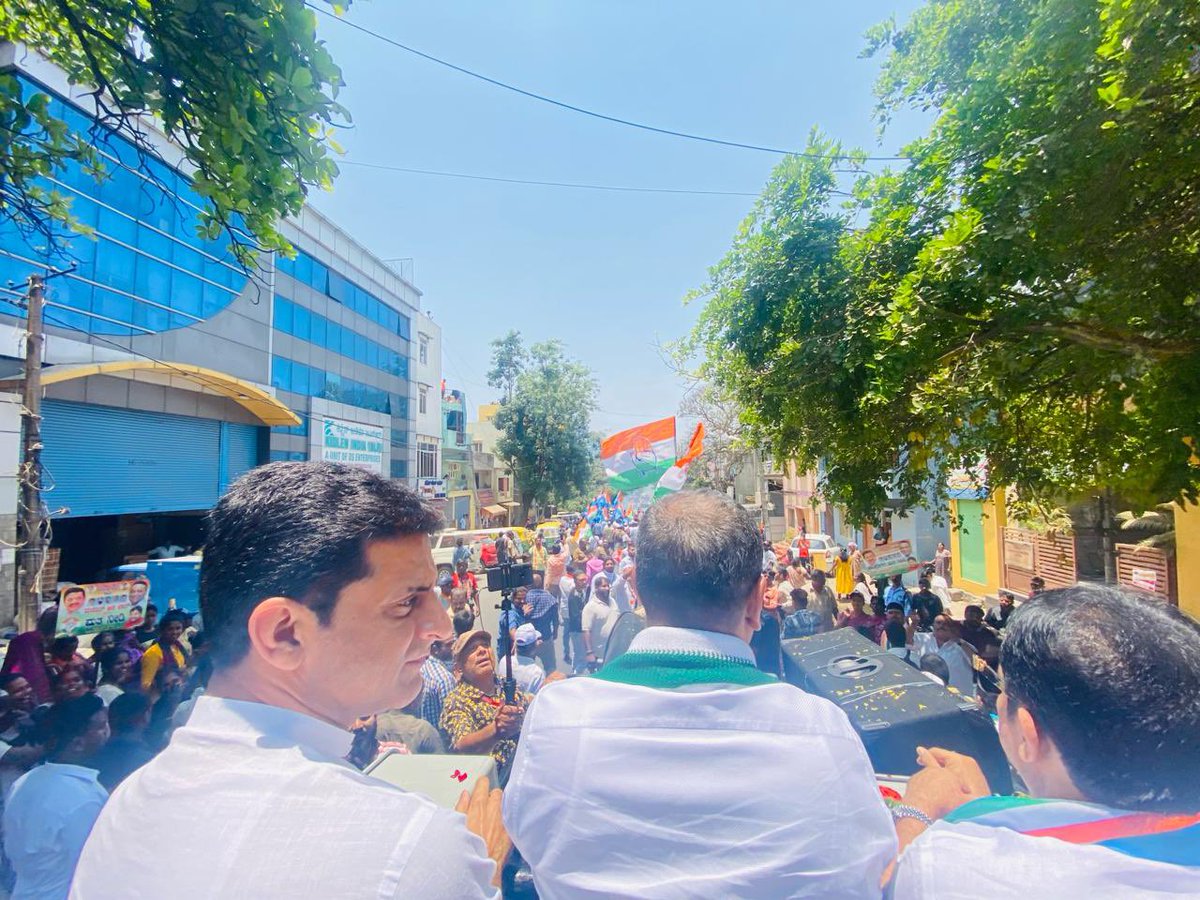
(83, 773)
(665, 639)
(273, 723)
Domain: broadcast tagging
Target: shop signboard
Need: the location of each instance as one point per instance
(885, 560)
(352, 443)
(432, 488)
(106, 606)
(968, 484)
(1144, 580)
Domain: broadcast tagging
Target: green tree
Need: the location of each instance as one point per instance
(544, 434)
(509, 358)
(242, 86)
(1024, 291)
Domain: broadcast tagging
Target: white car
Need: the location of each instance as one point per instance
(821, 548)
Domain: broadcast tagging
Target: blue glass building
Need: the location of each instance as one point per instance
(170, 369)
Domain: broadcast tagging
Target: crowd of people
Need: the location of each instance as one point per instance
(74, 726)
(682, 767)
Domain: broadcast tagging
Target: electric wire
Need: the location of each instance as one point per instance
(616, 120)
(558, 184)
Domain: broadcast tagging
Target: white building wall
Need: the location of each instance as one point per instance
(427, 377)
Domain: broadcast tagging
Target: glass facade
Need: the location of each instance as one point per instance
(306, 325)
(146, 270)
(324, 280)
(289, 375)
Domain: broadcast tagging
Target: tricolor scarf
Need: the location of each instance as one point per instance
(1165, 838)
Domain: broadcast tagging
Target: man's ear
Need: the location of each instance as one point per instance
(754, 603)
(280, 629)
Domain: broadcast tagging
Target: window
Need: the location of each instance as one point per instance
(422, 398)
(427, 460)
(399, 468)
(502, 482)
(424, 353)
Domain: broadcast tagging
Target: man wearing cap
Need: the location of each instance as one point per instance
(528, 671)
(317, 589)
(475, 718)
(677, 760)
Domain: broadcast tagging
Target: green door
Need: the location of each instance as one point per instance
(972, 560)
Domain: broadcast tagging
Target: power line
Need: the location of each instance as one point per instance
(617, 120)
(559, 184)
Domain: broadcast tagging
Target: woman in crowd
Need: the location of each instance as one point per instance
(27, 655)
(843, 575)
(21, 750)
(941, 562)
(69, 684)
(867, 624)
(116, 674)
(166, 652)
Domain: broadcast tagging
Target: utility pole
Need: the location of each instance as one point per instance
(32, 551)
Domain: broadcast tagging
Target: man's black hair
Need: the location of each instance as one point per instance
(8, 678)
(172, 616)
(897, 635)
(1114, 680)
(699, 556)
(298, 530)
(799, 598)
(896, 606)
(126, 709)
(935, 665)
(464, 621)
(108, 659)
(151, 606)
(72, 718)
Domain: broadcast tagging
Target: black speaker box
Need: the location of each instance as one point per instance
(894, 707)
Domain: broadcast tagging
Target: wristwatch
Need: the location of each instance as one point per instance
(904, 811)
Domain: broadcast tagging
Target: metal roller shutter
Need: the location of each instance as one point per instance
(102, 460)
(239, 452)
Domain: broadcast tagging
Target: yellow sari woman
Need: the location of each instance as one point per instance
(843, 575)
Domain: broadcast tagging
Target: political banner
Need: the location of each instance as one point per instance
(107, 606)
(886, 560)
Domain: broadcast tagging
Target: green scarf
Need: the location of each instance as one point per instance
(668, 670)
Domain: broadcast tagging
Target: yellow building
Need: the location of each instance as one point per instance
(1187, 557)
(976, 540)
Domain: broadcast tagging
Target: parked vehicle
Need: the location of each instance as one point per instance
(821, 550)
(444, 542)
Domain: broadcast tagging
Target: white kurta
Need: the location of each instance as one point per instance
(260, 804)
(702, 791)
(967, 861)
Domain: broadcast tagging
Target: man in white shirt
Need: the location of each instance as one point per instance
(317, 587)
(962, 674)
(677, 762)
(50, 811)
(1100, 717)
(599, 616)
(527, 671)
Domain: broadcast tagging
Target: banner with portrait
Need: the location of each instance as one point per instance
(885, 560)
(107, 606)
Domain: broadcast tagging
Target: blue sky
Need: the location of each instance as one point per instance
(604, 272)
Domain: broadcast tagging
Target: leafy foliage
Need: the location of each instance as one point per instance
(242, 86)
(509, 358)
(1024, 291)
(544, 427)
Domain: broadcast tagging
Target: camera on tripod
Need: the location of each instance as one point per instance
(509, 577)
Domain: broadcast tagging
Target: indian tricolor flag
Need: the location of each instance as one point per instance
(638, 457)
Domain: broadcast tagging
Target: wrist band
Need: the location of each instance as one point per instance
(904, 811)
